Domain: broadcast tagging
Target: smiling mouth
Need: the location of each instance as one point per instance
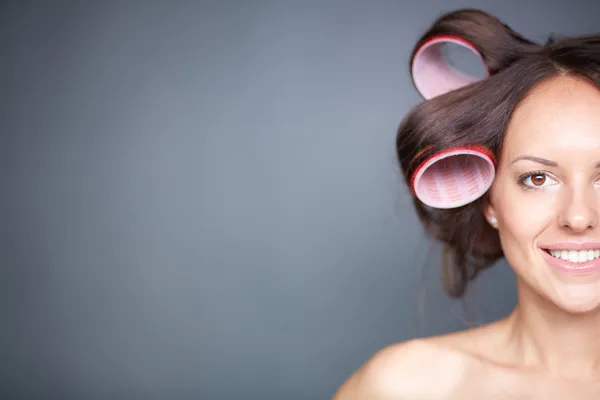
(575, 256)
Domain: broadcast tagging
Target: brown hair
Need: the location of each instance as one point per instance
(477, 114)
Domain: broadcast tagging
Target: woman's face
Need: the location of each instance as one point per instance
(546, 195)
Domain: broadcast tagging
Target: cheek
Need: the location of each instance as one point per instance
(527, 217)
(522, 219)
(523, 216)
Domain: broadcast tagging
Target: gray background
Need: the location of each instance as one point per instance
(201, 199)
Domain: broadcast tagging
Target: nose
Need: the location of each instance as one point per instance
(579, 211)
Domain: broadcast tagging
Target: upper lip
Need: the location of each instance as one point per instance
(571, 246)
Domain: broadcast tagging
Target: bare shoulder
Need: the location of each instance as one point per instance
(419, 368)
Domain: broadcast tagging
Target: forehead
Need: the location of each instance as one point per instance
(562, 113)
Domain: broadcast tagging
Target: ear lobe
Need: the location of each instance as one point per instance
(490, 213)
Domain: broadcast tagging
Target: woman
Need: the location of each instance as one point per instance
(520, 150)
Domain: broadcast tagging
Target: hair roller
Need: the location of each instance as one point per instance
(453, 177)
(432, 74)
(496, 44)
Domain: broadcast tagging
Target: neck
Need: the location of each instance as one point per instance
(545, 336)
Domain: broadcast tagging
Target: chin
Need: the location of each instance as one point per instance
(572, 287)
(576, 298)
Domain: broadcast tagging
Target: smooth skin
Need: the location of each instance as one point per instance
(549, 346)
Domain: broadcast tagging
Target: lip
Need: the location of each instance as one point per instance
(571, 246)
(587, 267)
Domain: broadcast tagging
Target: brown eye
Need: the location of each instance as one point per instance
(538, 180)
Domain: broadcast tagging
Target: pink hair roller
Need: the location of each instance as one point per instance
(454, 177)
(432, 74)
(458, 176)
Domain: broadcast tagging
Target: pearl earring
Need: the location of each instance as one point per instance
(493, 220)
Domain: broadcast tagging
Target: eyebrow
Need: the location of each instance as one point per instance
(536, 159)
(542, 161)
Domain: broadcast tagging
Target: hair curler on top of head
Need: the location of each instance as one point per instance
(496, 44)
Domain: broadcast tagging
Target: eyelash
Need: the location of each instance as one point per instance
(522, 178)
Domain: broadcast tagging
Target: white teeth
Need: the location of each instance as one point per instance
(575, 256)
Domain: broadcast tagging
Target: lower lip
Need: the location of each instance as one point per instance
(573, 268)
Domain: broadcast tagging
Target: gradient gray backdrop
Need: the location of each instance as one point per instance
(200, 200)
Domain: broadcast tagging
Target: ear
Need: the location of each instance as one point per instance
(489, 211)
